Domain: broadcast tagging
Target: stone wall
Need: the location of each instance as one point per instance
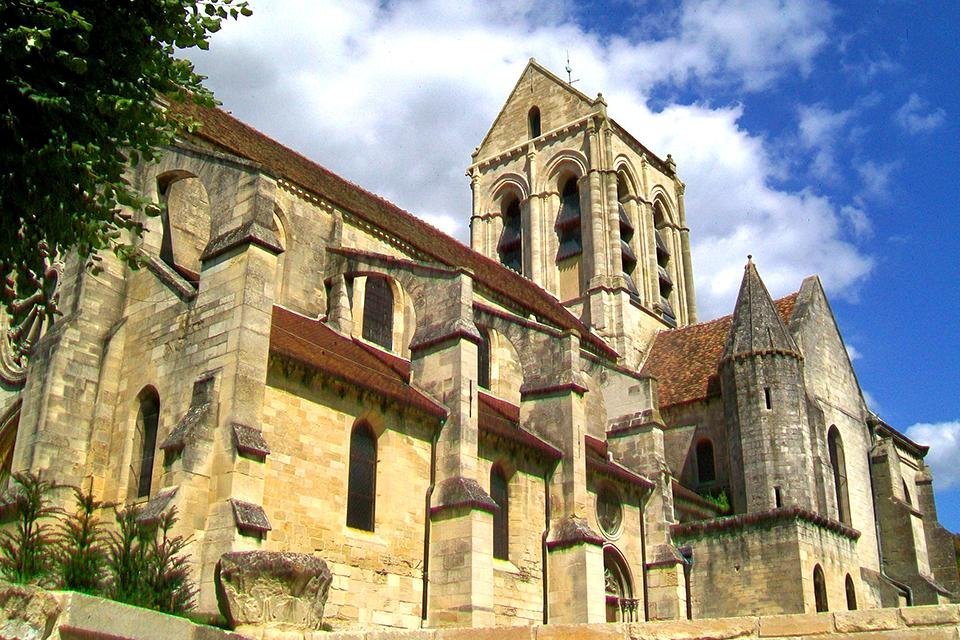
(377, 575)
(908, 623)
(44, 615)
(766, 567)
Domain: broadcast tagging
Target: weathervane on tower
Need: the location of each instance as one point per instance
(569, 70)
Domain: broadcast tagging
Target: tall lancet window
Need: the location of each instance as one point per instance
(628, 259)
(533, 122)
(570, 250)
(362, 479)
(501, 518)
(664, 280)
(838, 465)
(148, 419)
(510, 246)
(378, 312)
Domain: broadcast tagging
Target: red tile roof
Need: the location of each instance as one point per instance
(316, 345)
(685, 361)
(599, 461)
(227, 132)
(500, 418)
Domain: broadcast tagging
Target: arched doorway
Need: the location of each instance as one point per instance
(618, 586)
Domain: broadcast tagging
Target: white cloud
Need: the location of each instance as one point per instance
(916, 117)
(395, 96)
(819, 130)
(858, 220)
(944, 441)
(853, 353)
(875, 177)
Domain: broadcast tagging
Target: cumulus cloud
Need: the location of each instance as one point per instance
(875, 177)
(944, 441)
(394, 96)
(819, 131)
(915, 116)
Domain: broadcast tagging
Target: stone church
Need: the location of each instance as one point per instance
(532, 429)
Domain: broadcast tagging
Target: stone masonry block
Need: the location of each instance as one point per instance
(576, 632)
(870, 620)
(714, 628)
(489, 633)
(931, 615)
(807, 624)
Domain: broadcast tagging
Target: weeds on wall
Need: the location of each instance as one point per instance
(719, 500)
(139, 562)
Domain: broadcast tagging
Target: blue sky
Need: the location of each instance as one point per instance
(819, 137)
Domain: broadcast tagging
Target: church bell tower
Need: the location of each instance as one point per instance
(566, 197)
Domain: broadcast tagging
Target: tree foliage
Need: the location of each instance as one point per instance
(81, 99)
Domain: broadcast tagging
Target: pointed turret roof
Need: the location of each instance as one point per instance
(756, 327)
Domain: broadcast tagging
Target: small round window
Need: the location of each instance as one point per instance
(609, 510)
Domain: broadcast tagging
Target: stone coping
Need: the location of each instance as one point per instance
(932, 622)
(761, 519)
(35, 614)
(27, 612)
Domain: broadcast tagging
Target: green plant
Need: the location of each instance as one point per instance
(172, 590)
(82, 552)
(24, 551)
(146, 563)
(718, 499)
(82, 99)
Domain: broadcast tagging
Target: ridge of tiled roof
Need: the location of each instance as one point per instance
(316, 345)
(227, 132)
(686, 361)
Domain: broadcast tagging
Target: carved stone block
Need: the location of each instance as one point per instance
(272, 589)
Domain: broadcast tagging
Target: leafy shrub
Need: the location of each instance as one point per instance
(146, 563)
(81, 547)
(139, 563)
(25, 555)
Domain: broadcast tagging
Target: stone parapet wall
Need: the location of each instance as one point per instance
(908, 623)
(27, 613)
(57, 615)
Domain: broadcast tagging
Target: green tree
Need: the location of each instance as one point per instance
(81, 99)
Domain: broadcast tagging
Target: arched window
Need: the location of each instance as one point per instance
(706, 471)
(621, 605)
(570, 240)
(483, 359)
(362, 481)
(819, 590)
(533, 122)
(851, 594)
(186, 221)
(628, 259)
(501, 517)
(663, 264)
(148, 418)
(906, 494)
(378, 312)
(838, 464)
(510, 246)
